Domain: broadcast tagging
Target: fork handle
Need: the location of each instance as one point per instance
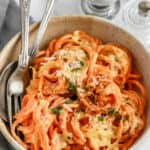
(42, 28)
(24, 56)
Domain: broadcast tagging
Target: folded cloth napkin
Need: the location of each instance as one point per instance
(9, 20)
(9, 25)
(3, 9)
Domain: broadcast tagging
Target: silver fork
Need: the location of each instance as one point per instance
(19, 78)
(11, 91)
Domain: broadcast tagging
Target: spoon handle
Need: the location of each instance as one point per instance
(24, 56)
(42, 28)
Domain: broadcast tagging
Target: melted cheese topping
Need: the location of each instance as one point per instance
(74, 63)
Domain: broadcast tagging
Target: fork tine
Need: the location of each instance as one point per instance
(20, 99)
(9, 109)
(16, 104)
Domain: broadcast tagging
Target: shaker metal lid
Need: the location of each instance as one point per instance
(144, 8)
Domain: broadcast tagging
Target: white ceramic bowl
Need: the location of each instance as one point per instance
(101, 29)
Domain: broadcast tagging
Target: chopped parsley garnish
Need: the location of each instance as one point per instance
(115, 113)
(71, 86)
(100, 118)
(81, 63)
(75, 69)
(112, 111)
(56, 110)
(79, 86)
(79, 111)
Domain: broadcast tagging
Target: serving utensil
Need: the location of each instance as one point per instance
(32, 51)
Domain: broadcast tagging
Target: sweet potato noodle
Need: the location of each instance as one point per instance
(83, 95)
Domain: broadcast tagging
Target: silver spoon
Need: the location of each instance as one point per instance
(9, 68)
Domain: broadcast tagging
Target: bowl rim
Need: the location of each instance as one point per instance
(91, 17)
